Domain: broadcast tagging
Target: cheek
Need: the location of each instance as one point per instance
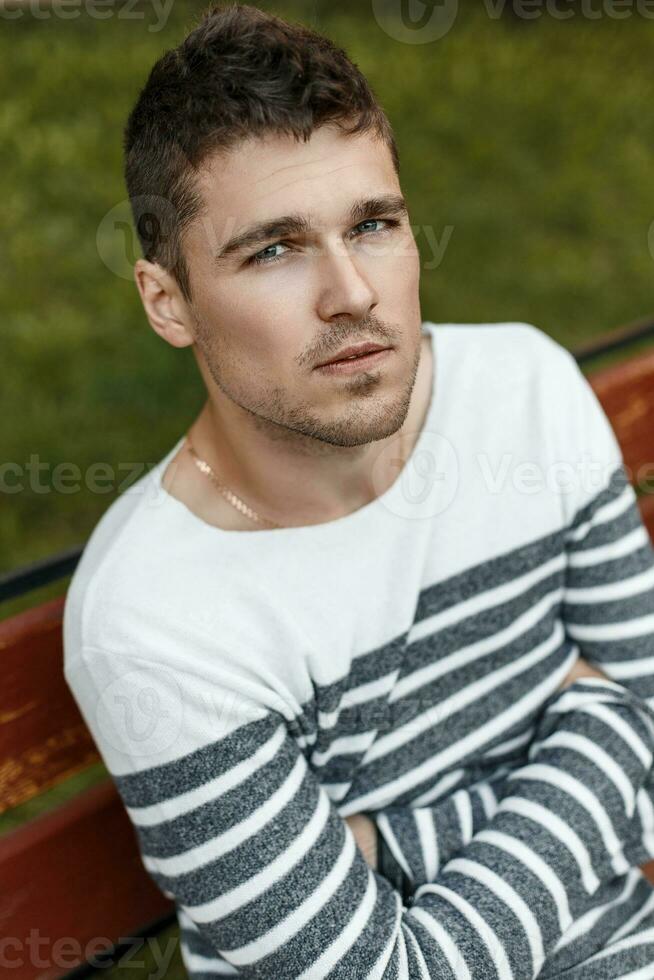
(267, 329)
(401, 255)
(244, 309)
(404, 263)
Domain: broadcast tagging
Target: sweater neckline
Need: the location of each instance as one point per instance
(390, 501)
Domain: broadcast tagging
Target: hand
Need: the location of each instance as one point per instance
(581, 669)
(365, 836)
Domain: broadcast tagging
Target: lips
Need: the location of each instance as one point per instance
(352, 352)
(350, 357)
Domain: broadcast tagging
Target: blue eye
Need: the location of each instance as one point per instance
(370, 221)
(260, 258)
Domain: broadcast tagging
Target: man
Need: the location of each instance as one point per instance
(325, 619)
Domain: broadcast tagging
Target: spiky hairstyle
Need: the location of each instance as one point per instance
(240, 73)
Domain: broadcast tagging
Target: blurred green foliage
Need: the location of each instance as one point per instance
(531, 140)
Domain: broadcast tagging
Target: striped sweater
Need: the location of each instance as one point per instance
(247, 691)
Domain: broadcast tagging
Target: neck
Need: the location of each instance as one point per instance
(294, 479)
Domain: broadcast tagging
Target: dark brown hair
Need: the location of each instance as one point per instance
(241, 72)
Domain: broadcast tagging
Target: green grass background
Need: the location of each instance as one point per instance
(532, 139)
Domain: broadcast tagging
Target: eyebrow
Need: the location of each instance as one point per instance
(298, 224)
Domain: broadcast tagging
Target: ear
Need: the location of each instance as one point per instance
(163, 303)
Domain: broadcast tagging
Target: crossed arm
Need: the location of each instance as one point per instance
(239, 832)
(363, 827)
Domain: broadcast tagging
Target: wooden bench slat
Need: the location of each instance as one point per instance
(44, 737)
(73, 874)
(626, 393)
(646, 505)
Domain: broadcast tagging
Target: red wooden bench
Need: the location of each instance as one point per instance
(75, 873)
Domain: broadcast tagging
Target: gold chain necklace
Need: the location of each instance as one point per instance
(228, 494)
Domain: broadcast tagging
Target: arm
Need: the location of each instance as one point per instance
(417, 841)
(608, 602)
(233, 825)
(607, 611)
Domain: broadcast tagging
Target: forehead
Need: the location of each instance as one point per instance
(274, 175)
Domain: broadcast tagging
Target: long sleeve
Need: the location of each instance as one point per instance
(608, 606)
(607, 611)
(422, 839)
(232, 824)
(608, 603)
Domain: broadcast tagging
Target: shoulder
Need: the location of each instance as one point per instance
(119, 556)
(519, 338)
(509, 342)
(505, 362)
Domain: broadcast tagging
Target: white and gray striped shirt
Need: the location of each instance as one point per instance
(249, 690)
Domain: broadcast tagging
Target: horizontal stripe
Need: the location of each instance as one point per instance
(414, 670)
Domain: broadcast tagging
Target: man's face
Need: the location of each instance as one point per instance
(261, 327)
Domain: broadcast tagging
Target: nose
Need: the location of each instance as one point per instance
(344, 291)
